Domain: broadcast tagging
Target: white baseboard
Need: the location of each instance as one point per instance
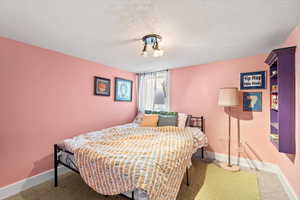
(244, 162)
(286, 185)
(258, 165)
(24, 184)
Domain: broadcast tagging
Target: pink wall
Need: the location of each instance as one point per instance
(45, 97)
(195, 89)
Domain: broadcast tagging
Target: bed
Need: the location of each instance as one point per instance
(129, 168)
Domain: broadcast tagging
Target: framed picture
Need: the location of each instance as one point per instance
(101, 86)
(123, 89)
(252, 101)
(253, 80)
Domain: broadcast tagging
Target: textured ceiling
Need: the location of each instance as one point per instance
(108, 31)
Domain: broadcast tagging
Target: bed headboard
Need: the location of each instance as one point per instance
(196, 122)
(191, 121)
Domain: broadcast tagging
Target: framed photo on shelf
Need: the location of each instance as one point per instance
(101, 86)
(252, 101)
(253, 80)
(123, 89)
(274, 89)
(274, 102)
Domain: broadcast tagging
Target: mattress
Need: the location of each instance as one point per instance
(67, 158)
(74, 143)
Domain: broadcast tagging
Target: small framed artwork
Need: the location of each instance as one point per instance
(253, 80)
(123, 89)
(252, 101)
(101, 86)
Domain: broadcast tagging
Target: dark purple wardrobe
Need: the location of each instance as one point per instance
(282, 98)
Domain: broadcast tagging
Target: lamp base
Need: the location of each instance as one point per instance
(232, 168)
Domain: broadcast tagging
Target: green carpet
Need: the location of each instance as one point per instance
(208, 182)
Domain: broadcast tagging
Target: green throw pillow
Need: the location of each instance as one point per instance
(160, 112)
(167, 120)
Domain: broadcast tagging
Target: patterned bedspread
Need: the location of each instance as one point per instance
(151, 159)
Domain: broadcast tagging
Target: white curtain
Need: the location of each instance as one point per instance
(153, 91)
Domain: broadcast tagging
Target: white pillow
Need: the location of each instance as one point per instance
(139, 118)
(181, 120)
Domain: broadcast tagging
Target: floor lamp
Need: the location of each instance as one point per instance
(229, 97)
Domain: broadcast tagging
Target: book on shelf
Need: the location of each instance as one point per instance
(275, 125)
(274, 89)
(274, 136)
(274, 74)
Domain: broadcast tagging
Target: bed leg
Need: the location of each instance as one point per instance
(55, 166)
(187, 177)
(132, 196)
(202, 153)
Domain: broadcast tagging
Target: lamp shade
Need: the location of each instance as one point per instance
(228, 97)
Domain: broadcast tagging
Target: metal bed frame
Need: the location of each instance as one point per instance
(58, 149)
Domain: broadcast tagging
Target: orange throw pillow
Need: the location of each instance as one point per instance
(149, 121)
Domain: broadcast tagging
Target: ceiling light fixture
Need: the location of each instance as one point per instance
(151, 45)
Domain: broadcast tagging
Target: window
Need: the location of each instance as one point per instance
(153, 91)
